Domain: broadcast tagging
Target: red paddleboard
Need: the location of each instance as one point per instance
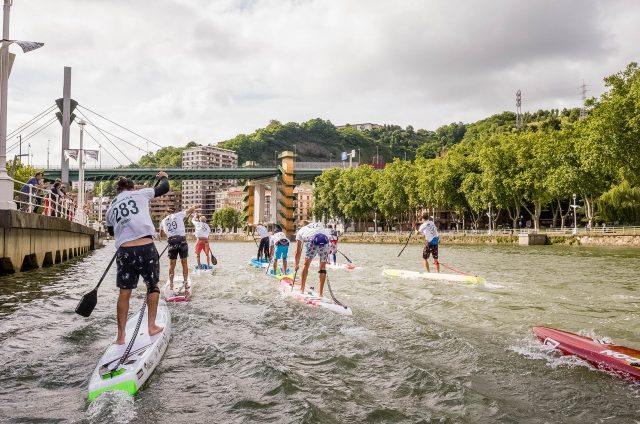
(617, 359)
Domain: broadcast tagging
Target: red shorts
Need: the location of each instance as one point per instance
(202, 245)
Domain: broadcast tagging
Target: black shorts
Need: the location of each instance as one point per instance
(430, 249)
(178, 246)
(135, 262)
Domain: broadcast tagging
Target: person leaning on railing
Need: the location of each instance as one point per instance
(28, 192)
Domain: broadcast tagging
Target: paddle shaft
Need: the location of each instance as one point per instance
(345, 256)
(104, 274)
(405, 245)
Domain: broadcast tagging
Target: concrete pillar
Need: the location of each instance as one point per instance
(248, 203)
(273, 207)
(285, 192)
(258, 203)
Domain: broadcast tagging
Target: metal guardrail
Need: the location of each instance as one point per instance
(44, 202)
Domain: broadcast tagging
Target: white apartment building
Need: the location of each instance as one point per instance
(202, 192)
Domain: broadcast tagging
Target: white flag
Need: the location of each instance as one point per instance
(27, 46)
(91, 154)
(71, 154)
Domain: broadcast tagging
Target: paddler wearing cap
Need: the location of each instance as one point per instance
(315, 239)
(129, 221)
(428, 228)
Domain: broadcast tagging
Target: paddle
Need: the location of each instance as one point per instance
(90, 300)
(295, 274)
(345, 256)
(405, 245)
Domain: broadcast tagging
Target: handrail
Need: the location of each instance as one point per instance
(52, 204)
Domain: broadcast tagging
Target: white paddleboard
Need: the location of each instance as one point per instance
(144, 356)
(311, 298)
(347, 266)
(402, 273)
(179, 293)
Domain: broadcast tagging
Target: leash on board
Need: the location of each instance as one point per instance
(336, 301)
(132, 341)
(453, 269)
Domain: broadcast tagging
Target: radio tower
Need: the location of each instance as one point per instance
(518, 110)
(583, 109)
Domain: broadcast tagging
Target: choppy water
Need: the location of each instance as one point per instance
(414, 351)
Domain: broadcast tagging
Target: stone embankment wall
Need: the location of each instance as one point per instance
(29, 241)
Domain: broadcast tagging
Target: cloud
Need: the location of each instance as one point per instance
(182, 70)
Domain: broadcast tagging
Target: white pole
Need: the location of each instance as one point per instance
(80, 206)
(6, 185)
(575, 218)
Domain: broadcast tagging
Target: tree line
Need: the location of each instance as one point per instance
(513, 172)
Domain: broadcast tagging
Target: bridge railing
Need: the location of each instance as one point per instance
(44, 202)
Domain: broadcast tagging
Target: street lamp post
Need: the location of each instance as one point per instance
(575, 217)
(6, 184)
(490, 220)
(81, 172)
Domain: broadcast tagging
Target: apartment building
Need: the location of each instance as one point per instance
(202, 193)
(162, 206)
(231, 197)
(304, 206)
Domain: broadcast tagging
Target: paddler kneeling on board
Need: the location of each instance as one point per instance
(316, 241)
(428, 228)
(173, 227)
(202, 234)
(279, 248)
(129, 222)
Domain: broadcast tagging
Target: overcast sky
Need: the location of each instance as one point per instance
(206, 70)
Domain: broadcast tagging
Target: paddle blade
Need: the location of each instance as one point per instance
(87, 303)
(214, 261)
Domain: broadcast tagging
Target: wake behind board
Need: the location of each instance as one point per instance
(620, 360)
(311, 298)
(179, 293)
(143, 358)
(402, 273)
(263, 263)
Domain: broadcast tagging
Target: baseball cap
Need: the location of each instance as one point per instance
(320, 239)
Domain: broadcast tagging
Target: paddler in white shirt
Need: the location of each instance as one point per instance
(173, 227)
(316, 242)
(428, 228)
(129, 221)
(279, 249)
(202, 234)
(263, 248)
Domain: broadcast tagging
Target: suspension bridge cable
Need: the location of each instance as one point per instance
(37, 117)
(94, 139)
(105, 136)
(33, 133)
(124, 128)
(119, 138)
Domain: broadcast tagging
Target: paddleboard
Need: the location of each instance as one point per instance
(259, 263)
(348, 267)
(204, 269)
(178, 294)
(279, 274)
(143, 358)
(402, 273)
(620, 360)
(311, 298)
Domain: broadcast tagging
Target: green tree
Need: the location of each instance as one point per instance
(227, 218)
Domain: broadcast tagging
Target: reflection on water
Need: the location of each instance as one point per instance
(414, 351)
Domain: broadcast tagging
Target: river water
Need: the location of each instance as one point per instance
(414, 351)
